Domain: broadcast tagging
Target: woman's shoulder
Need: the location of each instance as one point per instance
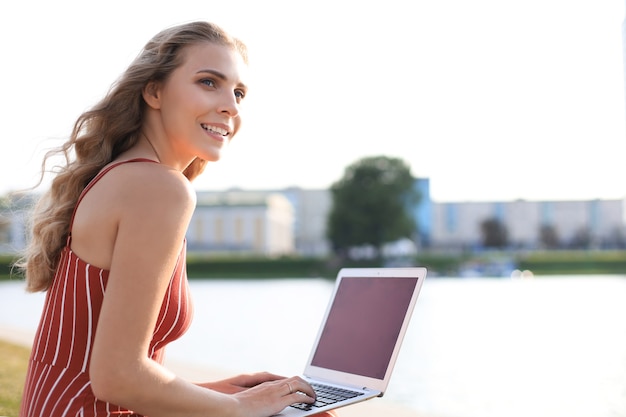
(145, 182)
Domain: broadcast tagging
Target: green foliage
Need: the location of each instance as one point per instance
(241, 267)
(549, 236)
(257, 267)
(494, 233)
(441, 264)
(6, 266)
(372, 204)
(574, 262)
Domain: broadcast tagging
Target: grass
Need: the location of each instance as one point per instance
(13, 363)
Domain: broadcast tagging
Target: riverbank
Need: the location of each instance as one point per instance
(488, 263)
(22, 338)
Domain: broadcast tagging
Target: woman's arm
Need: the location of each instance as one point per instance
(153, 218)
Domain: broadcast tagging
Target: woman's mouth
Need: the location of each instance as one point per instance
(215, 129)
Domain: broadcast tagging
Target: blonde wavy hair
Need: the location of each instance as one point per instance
(101, 134)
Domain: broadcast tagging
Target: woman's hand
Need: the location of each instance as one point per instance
(264, 394)
(273, 395)
(241, 382)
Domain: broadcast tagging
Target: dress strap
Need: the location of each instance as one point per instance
(93, 182)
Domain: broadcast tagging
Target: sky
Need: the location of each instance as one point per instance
(489, 99)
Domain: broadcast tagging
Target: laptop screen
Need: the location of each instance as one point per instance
(363, 325)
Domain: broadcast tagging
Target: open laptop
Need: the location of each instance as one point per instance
(360, 336)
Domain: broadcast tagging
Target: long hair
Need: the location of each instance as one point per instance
(101, 134)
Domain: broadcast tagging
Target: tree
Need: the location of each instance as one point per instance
(582, 239)
(549, 236)
(494, 233)
(372, 204)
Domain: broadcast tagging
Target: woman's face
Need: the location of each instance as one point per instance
(199, 104)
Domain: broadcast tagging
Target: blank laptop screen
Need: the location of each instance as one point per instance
(363, 325)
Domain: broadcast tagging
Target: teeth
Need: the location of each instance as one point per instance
(215, 129)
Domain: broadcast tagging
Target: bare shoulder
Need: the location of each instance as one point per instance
(147, 189)
(141, 180)
(134, 200)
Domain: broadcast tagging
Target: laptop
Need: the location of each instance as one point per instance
(360, 336)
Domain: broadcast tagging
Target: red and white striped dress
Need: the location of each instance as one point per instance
(57, 381)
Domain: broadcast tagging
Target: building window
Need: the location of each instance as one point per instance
(219, 230)
(451, 218)
(547, 213)
(498, 211)
(239, 230)
(199, 232)
(594, 216)
(259, 233)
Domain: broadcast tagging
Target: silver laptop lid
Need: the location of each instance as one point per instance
(364, 324)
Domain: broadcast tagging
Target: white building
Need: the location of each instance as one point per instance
(293, 221)
(457, 225)
(242, 222)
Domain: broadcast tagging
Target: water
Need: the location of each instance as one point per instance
(543, 347)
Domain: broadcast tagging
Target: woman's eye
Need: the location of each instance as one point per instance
(208, 82)
(240, 94)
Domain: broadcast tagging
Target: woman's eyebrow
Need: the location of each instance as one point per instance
(213, 72)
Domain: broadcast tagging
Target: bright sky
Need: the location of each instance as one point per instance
(490, 99)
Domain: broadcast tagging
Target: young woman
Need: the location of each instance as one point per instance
(108, 241)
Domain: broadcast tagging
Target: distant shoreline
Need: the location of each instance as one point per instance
(485, 263)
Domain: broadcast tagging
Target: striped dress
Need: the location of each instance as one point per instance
(57, 381)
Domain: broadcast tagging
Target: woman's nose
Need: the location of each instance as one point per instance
(229, 104)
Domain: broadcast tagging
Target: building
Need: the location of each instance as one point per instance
(592, 223)
(242, 222)
(306, 215)
(311, 209)
(293, 221)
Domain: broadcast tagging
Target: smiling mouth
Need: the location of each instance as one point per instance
(215, 129)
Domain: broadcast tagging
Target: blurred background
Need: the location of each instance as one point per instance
(484, 140)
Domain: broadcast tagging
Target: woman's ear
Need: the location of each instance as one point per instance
(152, 94)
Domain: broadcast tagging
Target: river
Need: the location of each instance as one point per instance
(476, 347)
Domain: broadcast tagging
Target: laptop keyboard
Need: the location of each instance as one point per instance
(326, 395)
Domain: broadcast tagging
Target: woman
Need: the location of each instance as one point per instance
(108, 241)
